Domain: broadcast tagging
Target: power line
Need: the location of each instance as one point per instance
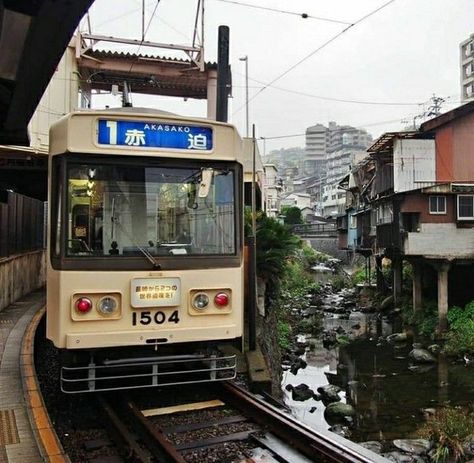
(275, 10)
(145, 32)
(361, 127)
(115, 18)
(327, 98)
(324, 45)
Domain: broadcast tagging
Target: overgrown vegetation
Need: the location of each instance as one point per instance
(460, 336)
(425, 321)
(284, 262)
(449, 428)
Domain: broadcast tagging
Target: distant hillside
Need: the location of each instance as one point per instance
(285, 157)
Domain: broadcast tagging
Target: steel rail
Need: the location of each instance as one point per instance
(154, 437)
(309, 442)
(122, 437)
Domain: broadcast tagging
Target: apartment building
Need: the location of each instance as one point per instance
(467, 69)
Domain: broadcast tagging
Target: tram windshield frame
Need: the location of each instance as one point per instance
(126, 213)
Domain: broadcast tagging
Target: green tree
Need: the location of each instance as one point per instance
(292, 215)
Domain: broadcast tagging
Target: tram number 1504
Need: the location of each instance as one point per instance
(159, 317)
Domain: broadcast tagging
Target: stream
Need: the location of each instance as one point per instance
(391, 396)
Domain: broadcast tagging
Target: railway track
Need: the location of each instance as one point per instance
(259, 430)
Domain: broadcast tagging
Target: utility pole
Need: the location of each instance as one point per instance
(435, 108)
(246, 59)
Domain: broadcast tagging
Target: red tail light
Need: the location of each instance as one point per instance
(221, 299)
(83, 305)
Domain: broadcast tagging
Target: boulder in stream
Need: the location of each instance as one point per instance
(297, 364)
(419, 355)
(338, 411)
(397, 337)
(372, 445)
(399, 457)
(301, 392)
(413, 446)
(329, 393)
(340, 430)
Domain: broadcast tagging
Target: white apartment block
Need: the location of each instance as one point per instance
(467, 69)
(316, 150)
(272, 190)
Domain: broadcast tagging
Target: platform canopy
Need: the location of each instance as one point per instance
(33, 37)
(145, 73)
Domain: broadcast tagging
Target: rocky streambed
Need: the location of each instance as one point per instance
(363, 377)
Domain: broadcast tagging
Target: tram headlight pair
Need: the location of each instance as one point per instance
(201, 300)
(106, 305)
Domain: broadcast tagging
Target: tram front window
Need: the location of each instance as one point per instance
(129, 210)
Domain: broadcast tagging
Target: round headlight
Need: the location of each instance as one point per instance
(107, 305)
(200, 301)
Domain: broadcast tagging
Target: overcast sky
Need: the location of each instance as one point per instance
(402, 54)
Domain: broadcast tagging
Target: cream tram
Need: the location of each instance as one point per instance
(145, 261)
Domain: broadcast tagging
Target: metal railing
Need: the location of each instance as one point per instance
(314, 228)
(22, 224)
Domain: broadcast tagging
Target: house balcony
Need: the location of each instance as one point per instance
(440, 240)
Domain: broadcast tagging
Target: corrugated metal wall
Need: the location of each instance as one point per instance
(414, 164)
(21, 225)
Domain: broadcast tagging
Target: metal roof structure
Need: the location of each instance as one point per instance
(385, 142)
(144, 73)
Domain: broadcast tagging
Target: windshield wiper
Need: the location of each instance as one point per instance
(147, 254)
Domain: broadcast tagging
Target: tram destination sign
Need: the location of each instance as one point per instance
(140, 134)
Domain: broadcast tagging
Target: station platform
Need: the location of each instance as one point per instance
(18, 443)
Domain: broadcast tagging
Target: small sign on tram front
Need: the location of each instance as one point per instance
(138, 134)
(155, 292)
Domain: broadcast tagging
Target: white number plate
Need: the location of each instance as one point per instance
(155, 292)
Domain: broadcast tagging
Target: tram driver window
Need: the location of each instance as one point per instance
(116, 210)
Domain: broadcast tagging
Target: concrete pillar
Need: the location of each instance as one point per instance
(397, 264)
(212, 94)
(417, 286)
(443, 270)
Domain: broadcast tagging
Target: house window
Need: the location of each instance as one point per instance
(465, 207)
(384, 214)
(437, 204)
(353, 221)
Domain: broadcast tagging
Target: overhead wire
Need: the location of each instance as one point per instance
(145, 32)
(275, 10)
(327, 98)
(318, 49)
(360, 127)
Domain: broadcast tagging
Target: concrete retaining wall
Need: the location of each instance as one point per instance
(329, 246)
(21, 274)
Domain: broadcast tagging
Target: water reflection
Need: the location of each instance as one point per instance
(376, 379)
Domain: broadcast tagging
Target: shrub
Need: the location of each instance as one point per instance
(449, 428)
(425, 320)
(358, 276)
(284, 334)
(460, 336)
